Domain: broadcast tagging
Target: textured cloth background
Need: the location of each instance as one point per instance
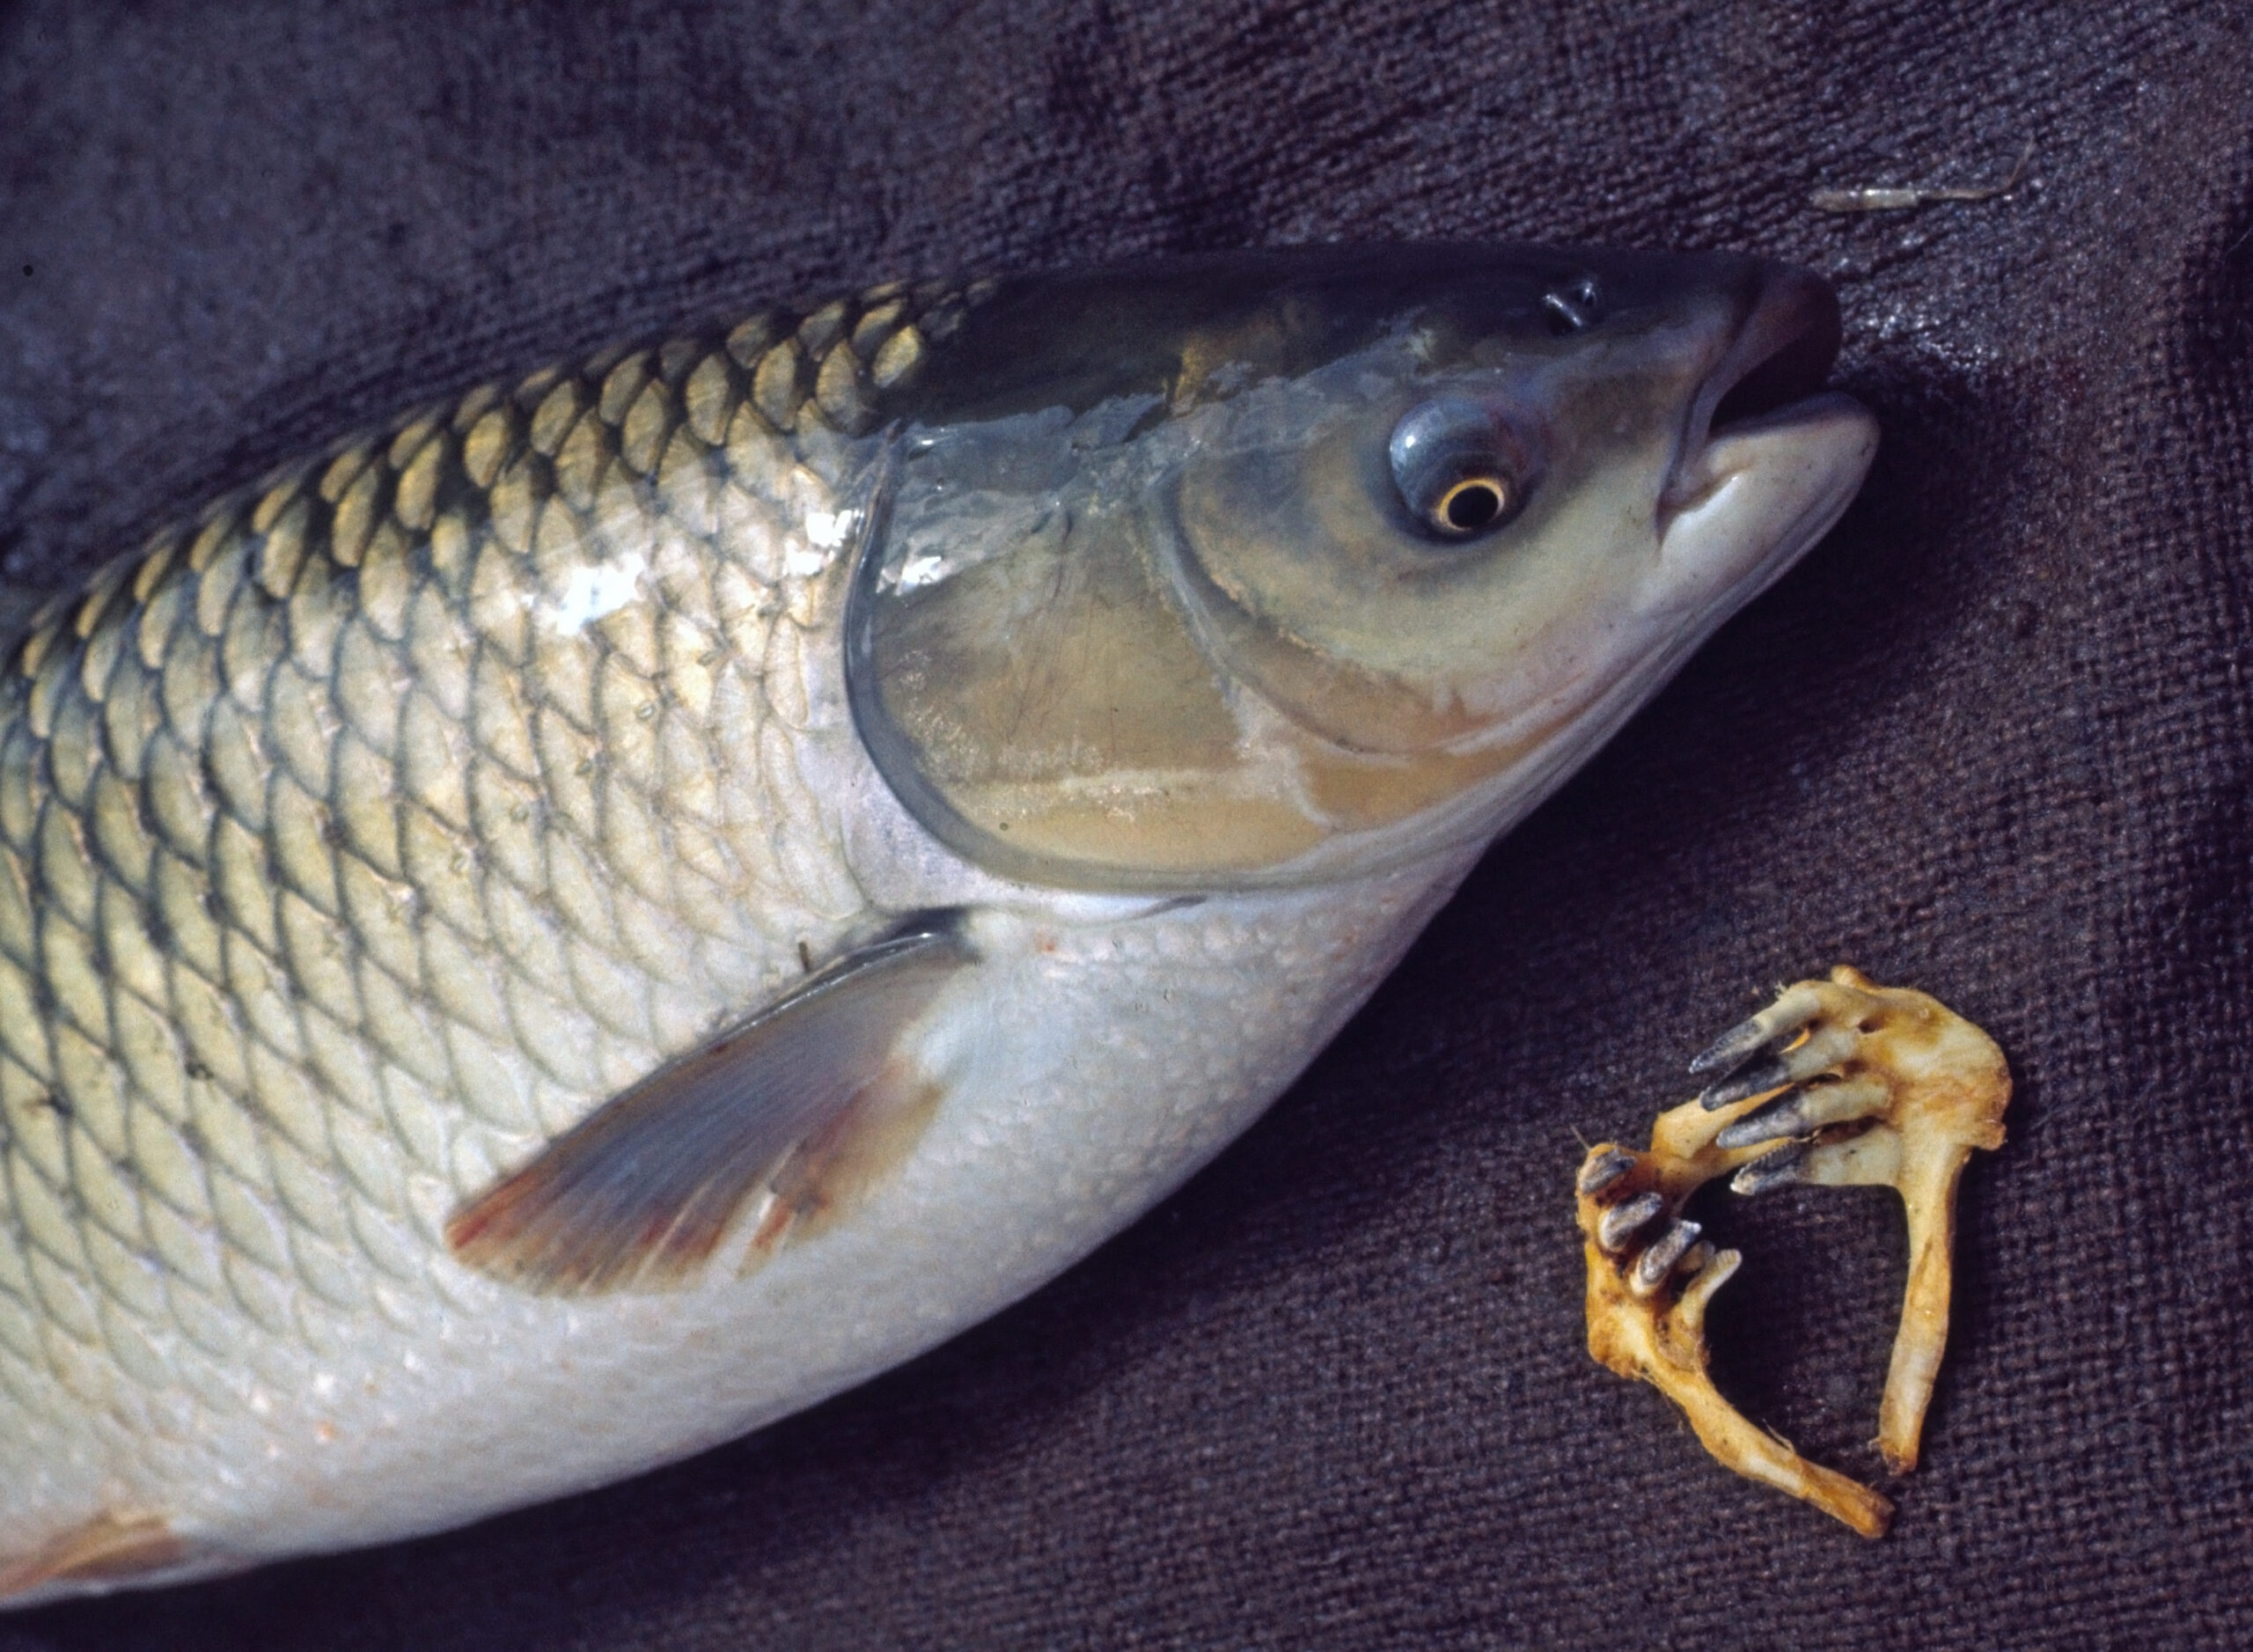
(1992, 739)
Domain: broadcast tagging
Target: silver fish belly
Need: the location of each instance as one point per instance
(540, 940)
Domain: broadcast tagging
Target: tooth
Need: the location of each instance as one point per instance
(1605, 1169)
(1655, 1263)
(1620, 1223)
(1731, 1049)
(1770, 1121)
(1766, 1073)
(1770, 1169)
(1793, 1009)
(1803, 1110)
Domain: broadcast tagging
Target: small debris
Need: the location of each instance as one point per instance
(1886, 199)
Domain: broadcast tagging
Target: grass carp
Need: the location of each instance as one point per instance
(539, 939)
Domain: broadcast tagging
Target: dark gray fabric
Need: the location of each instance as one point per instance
(1992, 739)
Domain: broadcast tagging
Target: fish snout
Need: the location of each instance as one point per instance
(1771, 456)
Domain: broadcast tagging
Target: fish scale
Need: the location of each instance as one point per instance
(335, 876)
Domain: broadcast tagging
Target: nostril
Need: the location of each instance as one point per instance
(1573, 306)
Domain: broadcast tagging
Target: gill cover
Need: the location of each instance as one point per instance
(1209, 573)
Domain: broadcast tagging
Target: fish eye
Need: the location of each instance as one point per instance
(1458, 469)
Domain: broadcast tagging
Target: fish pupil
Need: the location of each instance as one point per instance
(1471, 505)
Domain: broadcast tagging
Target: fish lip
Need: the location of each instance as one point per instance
(1777, 363)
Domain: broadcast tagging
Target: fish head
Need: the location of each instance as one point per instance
(1278, 568)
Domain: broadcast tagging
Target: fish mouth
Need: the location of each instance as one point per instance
(1779, 360)
(1770, 455)
(1781, 355)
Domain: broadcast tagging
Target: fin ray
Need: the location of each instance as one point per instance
(108, 1548)
(644, 1189)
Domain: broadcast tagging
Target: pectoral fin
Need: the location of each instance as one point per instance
(643, 1190)
(106, 1549)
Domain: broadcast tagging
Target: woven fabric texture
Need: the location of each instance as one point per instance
(1992, 739)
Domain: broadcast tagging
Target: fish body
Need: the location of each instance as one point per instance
(538, 940)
